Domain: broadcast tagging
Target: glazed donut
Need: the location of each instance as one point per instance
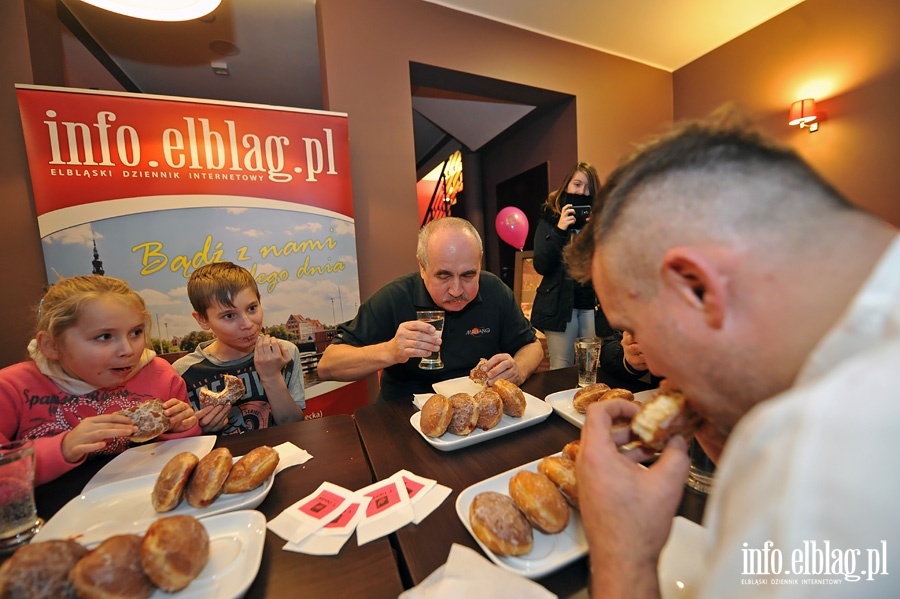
(209, 476)
(561, 471)
(113, 571)
(252, 470)
(435, 415)
(171, 482)
(174, 551)
(570, 449)
(479, 373)
(665, 414)
(149, 417)
(513, 399)
(618, 394)
(465, 414)
(540, 501)
(498, 523)
(588, 395)
(233, 391)
(490, 409)
(41, 570)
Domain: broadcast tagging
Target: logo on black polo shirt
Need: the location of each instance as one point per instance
(478, 331)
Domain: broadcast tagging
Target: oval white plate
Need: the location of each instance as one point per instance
(125, 507)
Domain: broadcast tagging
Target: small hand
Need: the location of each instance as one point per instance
(414, 339)
(181, 415)
(270, 357)
(566, 217)
(213, 419)
(92, 434)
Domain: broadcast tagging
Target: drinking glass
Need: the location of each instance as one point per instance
(587, 357)
(702, 470)
(436, 319)
(18, 515)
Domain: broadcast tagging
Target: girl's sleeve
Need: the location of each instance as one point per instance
(49, 460)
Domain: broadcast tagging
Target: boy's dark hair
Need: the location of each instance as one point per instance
(218, 282)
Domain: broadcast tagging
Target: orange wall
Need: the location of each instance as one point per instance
(366, 48)
(844, 54)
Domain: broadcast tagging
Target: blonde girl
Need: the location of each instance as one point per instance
(88, 360)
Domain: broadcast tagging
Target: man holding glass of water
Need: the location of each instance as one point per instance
(481, 320)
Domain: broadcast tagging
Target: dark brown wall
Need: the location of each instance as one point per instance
(844, 54)
(366, 48)
(23, 276)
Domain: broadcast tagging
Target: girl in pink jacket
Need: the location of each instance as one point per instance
(89, 360)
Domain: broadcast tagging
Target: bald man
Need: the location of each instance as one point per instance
(482, 320)
(752, 285)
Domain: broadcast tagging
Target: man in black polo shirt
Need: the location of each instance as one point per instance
(482, 320)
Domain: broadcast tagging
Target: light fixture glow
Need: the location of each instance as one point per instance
(158, 10)
(803, 112)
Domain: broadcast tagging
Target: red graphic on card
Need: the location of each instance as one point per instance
(321, 505)
(412, 487)
(345, 517)
(382, 499)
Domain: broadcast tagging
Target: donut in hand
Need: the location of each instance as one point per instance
(233, 391)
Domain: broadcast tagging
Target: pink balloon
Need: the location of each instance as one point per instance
(512, 226)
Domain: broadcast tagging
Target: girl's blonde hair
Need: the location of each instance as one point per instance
(64, 302)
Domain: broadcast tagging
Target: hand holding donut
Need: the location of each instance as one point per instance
(92, 434)
(181, 415)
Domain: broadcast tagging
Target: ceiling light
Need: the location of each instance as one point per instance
(158, 10)
(224, 48)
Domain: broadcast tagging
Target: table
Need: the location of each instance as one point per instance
(367, 571)
(392, 444)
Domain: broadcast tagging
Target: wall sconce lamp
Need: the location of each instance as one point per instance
(155, 10)
(803, 113)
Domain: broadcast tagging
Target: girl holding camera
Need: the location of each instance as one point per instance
(563, 309)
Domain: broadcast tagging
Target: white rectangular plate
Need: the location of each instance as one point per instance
(125, 507)
(550, 552)
(561, 402)
(142, 460)
(535, 411)
(236, 543)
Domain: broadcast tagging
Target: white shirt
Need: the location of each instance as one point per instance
(816, 469)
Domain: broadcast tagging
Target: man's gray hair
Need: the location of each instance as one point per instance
(448, 222)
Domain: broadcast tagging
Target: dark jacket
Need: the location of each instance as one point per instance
(555, 296)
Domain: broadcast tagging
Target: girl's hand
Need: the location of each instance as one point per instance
(566, 218)
(181, 415)
(92, 434)
(213, 419)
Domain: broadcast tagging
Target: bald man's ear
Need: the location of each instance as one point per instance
(695, 277)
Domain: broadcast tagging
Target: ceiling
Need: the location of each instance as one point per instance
(270, 48)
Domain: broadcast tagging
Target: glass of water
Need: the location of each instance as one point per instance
(436, 319)
(18, 516)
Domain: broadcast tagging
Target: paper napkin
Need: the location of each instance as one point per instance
(311, 513)
(468, 574)
(389, 509)
(290, 455)
(329, 539)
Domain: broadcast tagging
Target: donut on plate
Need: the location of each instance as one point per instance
(498, 523)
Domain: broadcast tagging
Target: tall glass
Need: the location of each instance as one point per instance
(700, 477)
(18, 515)
(436, 319)
(587, 357)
